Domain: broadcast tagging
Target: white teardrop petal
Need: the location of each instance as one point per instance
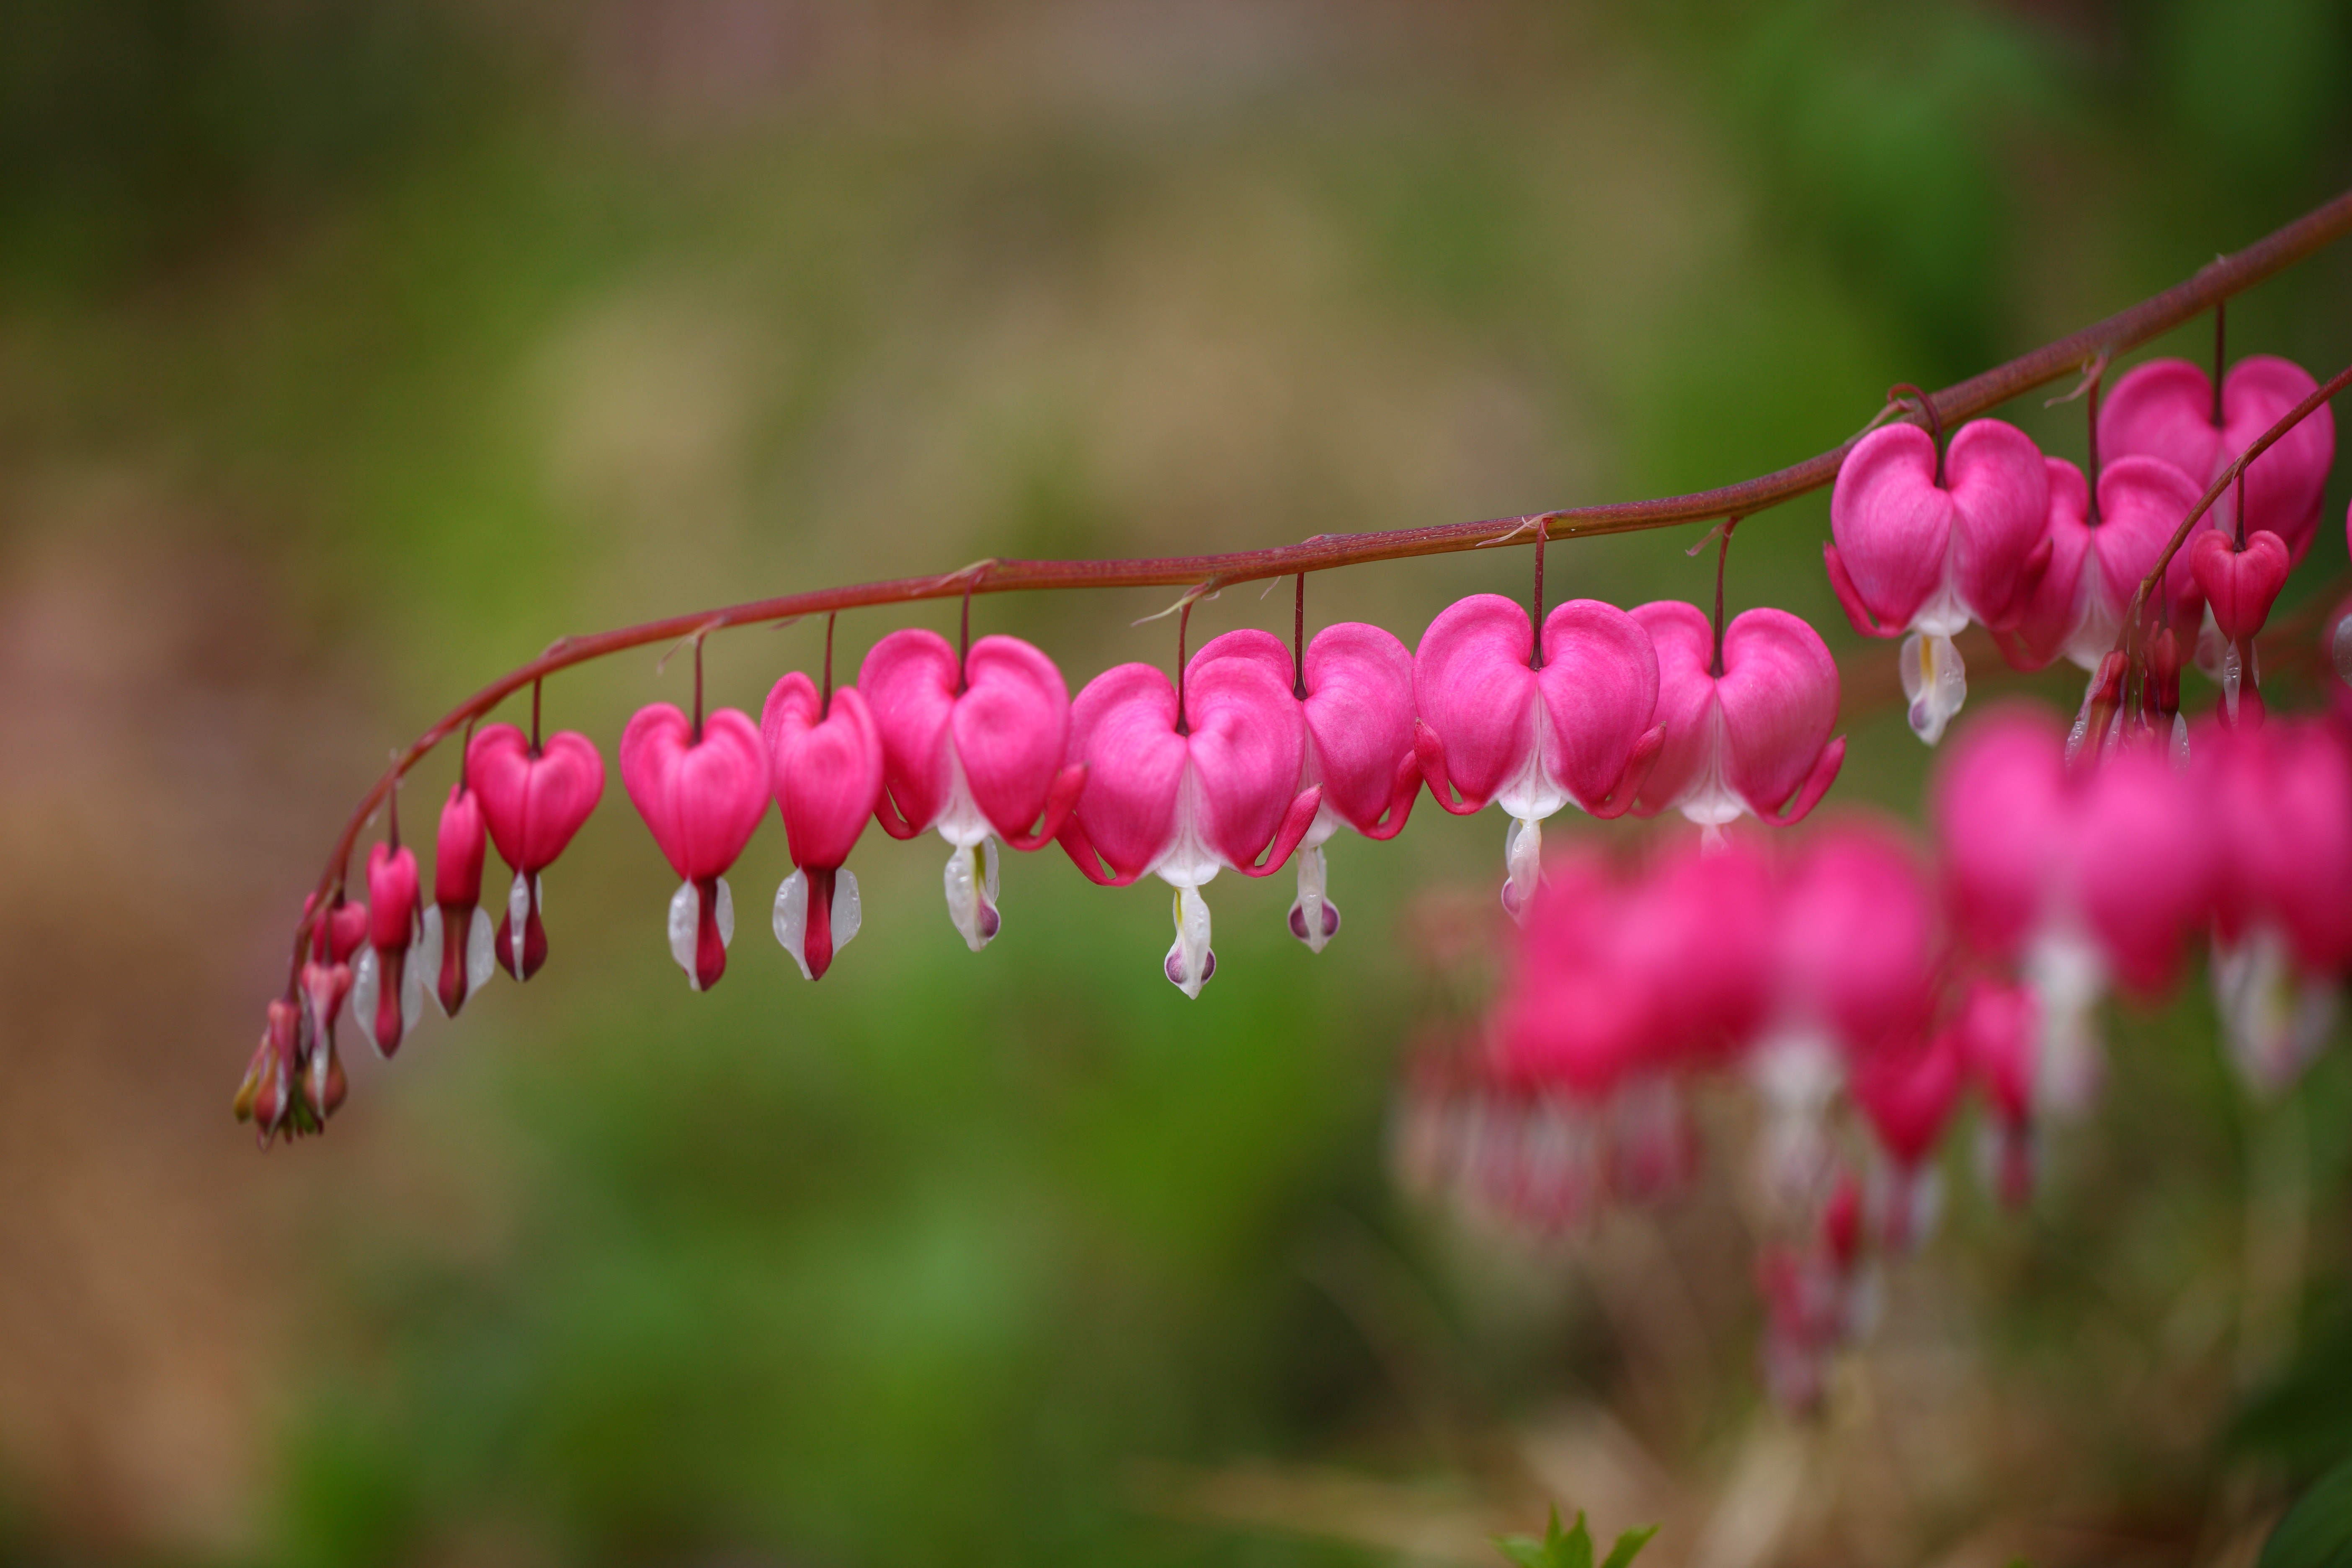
(1523, 864)
(1190, 961)
(685, 911)
(364, 979)
(426, 956)
(846, 911)
(412, 990)
(1935, 682)
(792, 919)
(518, 918)
(481, 951)
(726, 914)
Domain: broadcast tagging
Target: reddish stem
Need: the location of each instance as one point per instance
(1722, 555)
(2124, 329)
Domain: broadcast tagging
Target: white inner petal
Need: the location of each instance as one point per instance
(2275, 1020)
(517, 916)
(2068, 978)
(1312, 879)
(1935, 680)
(1522, 864)
(1188, 861)
(412, 988)
(684, 915)
(365, 977)
(1709, 801)
(791, 919)
(481, 950)
(847, 912)
(427, 953)
(1797, 1071)
(968, 885)
(1189, 958)
(960, 821)
(1532, 793)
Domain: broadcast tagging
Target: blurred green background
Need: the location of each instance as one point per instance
(350, 350)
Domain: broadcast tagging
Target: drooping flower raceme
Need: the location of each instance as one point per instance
(1181, 787)
(973, 749)
(701, 795)
(533, 800)
(456, 927)
(388, 990)
(1925, 546)
(1753, 737)
(825, 766)
(2165, 409)
(1579, 727)
(336, 939)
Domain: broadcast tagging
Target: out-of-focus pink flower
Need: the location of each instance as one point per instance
(1181, 789)
(2165, 409)
(2076, 609)
(1906, 1091)
(1581, 728)
(1755, 737)
(388, 990)
(533, 801)
(825, 768)
(2279, 799)
(1926, 548)
(701, 797)
(2079, 879)
(973, 748)
(455, 928)
(2336, 651)
(1998, 1029)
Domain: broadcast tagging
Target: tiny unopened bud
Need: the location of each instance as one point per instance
(2164, 674)
(2100, 705)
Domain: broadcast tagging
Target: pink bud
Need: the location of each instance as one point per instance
(337, 933)
(2239, 585)
(2165, 409)
(701, 798)
(534, 801)
(1181, 795)
(1580, 730)
(457, 850)
(450, 924)
(1754, 739)
(824, 764)
(391, 902)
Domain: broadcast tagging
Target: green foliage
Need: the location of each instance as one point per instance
(1572, 1548)
(2317, 1530)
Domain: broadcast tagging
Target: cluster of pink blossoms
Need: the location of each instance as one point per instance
(1252, 760)
(1861, 986)
(1925, 541)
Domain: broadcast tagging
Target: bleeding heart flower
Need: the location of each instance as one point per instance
(2241, 583)
(1579, 728)
(455, 926)
(1856, 946)
(1181, 786)
(534, 798)
(701, 797)
(1906, 1091)
(974, 750)
(267, 1098)
(1999, 1028)
(388, 990)
(825, 764)
(2165, 409)
(1924, 547)
(2078, 607)
(2077, 878)
(1357, 710)
(1754, 737)
(2279, 799)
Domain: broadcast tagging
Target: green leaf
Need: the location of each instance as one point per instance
(2317, 1530)
(1629, 1546)
(1571, 1548)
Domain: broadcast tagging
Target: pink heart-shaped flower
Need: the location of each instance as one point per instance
(1756, 739)
(2138, 865)
(533, 804)
(1908, 1092)
(1909, 552)
(2239, 585)
(2076, 608)
(1360, 713)
(1241, 763)
(2165, 409)
(1534, 739)
(825, 766)
(701, 799)
(1000, 723)
(2276, 796)
(337, 933)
